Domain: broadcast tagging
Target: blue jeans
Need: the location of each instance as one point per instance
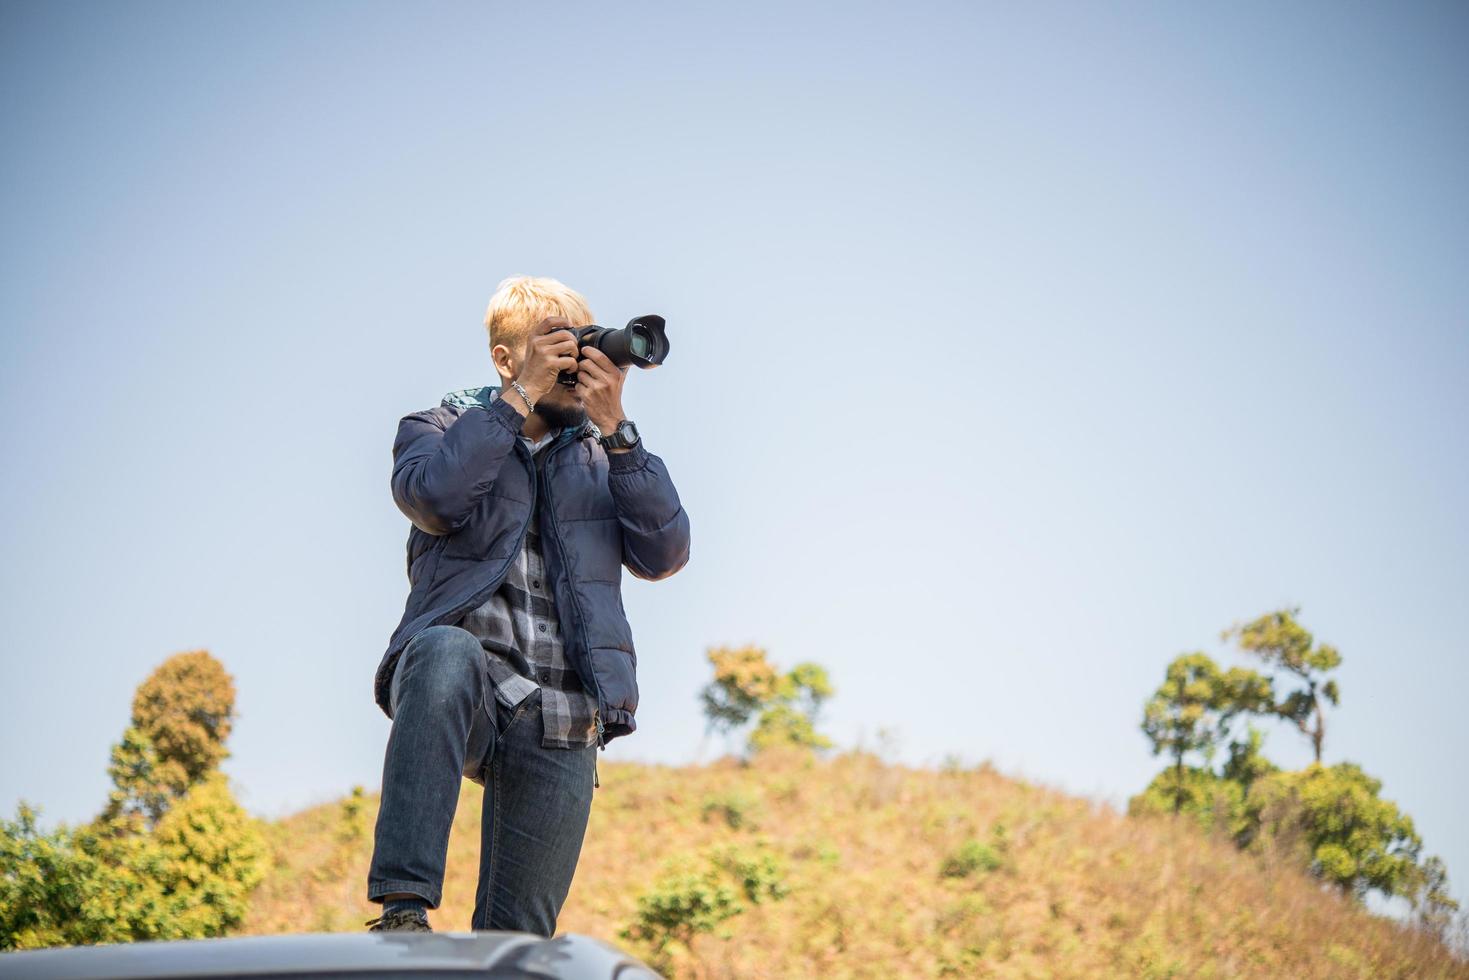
(448, 725)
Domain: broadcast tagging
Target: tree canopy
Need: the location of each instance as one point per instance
(1330, 820)
(171, 855)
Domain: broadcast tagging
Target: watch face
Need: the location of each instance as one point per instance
(628, 431)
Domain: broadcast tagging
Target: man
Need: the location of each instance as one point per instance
(513, 661)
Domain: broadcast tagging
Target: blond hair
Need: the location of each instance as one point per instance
(520, 302)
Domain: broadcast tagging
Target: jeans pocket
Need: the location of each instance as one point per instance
(509, 716)
(480, 743)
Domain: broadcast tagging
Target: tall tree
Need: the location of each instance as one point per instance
(746, 685)
(1193, 708)
(1331, 820)
(1283, 644)
(744, 682)
(182, 715)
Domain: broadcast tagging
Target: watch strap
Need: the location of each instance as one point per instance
(618, 438)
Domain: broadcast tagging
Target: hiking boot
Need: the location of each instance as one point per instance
(400, 920)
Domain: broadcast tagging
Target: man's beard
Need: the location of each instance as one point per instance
(560, 416)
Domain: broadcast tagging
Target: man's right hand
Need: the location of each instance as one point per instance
(549, 350)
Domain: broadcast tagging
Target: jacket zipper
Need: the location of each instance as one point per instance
(596, 684)
(520, 543)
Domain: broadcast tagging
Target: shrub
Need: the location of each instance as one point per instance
(1214, 802)
(735, 808)
(971, 857)
(695, 894)
(758, 872)
(105, 883)
(684, 901)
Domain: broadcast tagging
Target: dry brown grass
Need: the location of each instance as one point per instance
(1081, 891)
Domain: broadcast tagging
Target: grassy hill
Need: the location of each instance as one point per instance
(869, 869)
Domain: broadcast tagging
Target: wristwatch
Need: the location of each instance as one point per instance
(625, 436)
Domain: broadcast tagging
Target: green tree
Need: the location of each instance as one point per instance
(785, 706)
(1193, 709)
(1331, 820)
(191, 877)
(182, 715)
(808, 686)
(1335, 821)
(744, 682)
(77, 885)
(171, 856)
(1247, 762)
(139, 796)
(1281, 642)
(1216, 803)
(213, 857)
(781, 724)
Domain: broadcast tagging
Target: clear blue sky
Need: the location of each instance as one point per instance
(1016, 349)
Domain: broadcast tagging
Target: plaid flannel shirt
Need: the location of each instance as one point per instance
(521, 636)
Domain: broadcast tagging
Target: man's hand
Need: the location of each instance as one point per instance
(549, 350)
(600, 382)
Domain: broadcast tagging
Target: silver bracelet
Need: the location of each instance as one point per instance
(530, 405)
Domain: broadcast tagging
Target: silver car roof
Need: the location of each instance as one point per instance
(490, 954)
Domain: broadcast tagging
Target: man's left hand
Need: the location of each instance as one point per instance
(600, 382)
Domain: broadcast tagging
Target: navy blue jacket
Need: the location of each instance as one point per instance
(465, 481)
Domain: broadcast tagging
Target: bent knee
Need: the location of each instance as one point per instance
(444, 637)
(443, 655)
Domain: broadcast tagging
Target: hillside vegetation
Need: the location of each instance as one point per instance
(791, 865)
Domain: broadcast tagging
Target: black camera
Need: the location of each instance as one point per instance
(642, 342)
